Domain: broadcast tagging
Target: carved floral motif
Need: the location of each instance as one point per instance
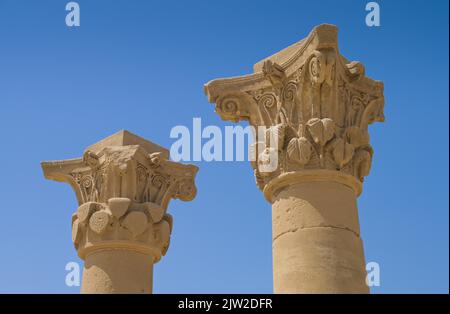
(127, 171)
(317, 103)
(120, 221)
(123, 194)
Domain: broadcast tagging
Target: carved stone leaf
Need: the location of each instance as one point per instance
(99, 221)
(169, 219)
(275, 136)
(155, 211)
(315, 128)
(259, 179)
(329, 129)
(85, 211)
(321, 130)
(136, 222)
(299, 150)
(118, 206)
(268, 161)
(76, 232)
(356, 136)
(363, 160)
(342, 152)
(253, 152)
(163, 230)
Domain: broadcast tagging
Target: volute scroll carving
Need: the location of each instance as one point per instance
(317, 102)
(123, 186)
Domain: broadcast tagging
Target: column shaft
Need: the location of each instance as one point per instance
(117, 271)
(316, 242)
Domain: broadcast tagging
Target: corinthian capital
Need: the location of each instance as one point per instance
(318, 104)
(123, 185)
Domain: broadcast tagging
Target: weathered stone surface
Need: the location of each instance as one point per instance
(321, 104)
(123, 185)
(118, 206)
(315, 107)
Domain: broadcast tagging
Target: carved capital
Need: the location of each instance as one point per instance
(316, 103)
(123, 186)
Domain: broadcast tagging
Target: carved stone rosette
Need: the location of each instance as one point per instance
(123, 186)
(318, 104)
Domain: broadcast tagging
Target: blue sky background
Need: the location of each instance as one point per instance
(141, 66)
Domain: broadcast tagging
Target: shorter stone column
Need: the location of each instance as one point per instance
(121, 228)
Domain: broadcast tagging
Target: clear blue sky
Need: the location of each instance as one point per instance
(141, 66)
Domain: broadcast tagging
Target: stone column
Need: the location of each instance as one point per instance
(310, 109)
(121, 228)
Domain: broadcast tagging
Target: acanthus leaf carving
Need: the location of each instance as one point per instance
(299, 151)
(323, 102)
(120, 221)
(321, 130)
(123, 192)
(342, 152)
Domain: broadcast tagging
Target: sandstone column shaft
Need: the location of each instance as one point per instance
(117, 271)
(316, 243)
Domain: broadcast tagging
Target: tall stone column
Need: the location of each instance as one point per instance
(123, 185)
(310, 109)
